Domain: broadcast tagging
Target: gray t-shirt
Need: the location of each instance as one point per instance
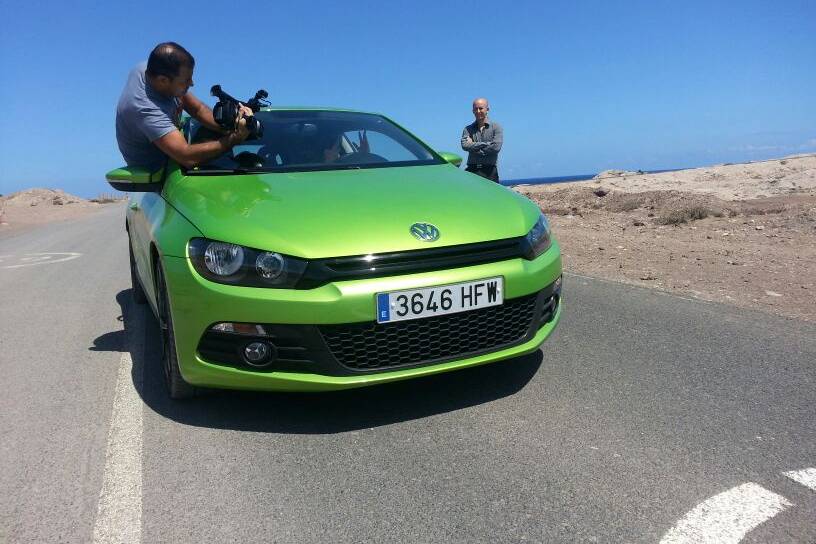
(142, 117)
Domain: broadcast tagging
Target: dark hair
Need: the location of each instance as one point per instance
(167, 58)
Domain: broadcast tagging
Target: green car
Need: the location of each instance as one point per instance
(335, 251)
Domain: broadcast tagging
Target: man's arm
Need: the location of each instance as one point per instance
(199, 111)
(467, 141)
(175, 146)
(498, 139)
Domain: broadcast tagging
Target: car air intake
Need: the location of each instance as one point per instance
(369, 346)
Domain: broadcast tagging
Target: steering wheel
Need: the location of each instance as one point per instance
(361, 157)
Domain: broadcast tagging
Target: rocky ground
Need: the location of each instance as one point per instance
(741, 234)
(37, 206)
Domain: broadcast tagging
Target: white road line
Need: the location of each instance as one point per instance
(727, 517)
(44, 258)
(806, 477)
(119, 512)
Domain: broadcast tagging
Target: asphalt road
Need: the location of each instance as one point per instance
(645, 417)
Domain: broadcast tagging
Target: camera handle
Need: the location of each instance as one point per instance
(227, 108)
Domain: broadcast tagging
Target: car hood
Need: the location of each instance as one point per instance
(351, 212)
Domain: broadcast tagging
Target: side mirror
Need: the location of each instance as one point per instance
(452, 158)
(135, 180)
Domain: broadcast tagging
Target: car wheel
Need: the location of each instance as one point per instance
(135, 285)
(176, 386)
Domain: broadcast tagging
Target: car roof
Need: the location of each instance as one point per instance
(316, 108)
(186, 116)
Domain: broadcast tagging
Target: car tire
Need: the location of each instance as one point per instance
(136, 290)
(177, 388)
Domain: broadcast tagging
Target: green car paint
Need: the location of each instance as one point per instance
(374, 207)
(316, 215)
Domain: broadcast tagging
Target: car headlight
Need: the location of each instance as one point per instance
(232, 264)
(538, 240)
(223, 259)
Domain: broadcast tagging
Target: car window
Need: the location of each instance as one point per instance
(379, 144)
(302, 140)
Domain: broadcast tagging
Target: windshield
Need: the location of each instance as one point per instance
(318, 140)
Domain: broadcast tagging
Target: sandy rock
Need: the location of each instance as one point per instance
(34, 197)
(724, 233)
(615, 174)
(37, 206)
(727, 182)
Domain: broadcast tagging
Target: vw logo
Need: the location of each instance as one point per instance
(425, 232)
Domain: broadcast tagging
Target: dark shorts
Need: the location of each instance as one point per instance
(488, 171)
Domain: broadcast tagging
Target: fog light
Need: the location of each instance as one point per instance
(258, 353)
(240, 328)
(557, 286)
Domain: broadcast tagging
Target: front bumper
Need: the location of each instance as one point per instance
(197, 304)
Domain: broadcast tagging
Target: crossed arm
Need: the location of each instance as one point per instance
(175, 146)
(483, 148)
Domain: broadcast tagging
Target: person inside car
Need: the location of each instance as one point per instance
(332, 153)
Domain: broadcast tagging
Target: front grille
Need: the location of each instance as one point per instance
(321, 271)
(366, 346)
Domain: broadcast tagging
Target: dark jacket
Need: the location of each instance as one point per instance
(472, 139)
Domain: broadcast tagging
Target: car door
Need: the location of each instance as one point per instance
(142, 212)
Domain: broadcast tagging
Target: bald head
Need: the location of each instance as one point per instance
(170, 69)
(167, 59)
(480, 109)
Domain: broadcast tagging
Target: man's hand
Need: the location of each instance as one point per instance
(363, 146)
(241, 132)
(245, 111)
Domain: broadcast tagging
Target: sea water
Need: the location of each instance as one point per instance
(540, 181)
(564, 179)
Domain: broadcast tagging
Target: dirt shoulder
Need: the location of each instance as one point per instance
(740, 234)
(25, 209)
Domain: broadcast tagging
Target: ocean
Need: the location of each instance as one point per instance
(564, 179)
(540, 181)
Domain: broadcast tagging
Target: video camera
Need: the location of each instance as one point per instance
(225, 111)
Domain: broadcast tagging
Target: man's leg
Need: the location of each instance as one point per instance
(492, 173)
(478, 169)
(486, 171)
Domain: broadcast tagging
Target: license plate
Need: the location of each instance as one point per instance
(439, 300)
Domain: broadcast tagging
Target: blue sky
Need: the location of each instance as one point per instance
(580, 86)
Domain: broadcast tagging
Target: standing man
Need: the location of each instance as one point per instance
(148, 115)
(482, 139)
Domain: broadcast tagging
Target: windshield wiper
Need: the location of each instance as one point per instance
(223, 171)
